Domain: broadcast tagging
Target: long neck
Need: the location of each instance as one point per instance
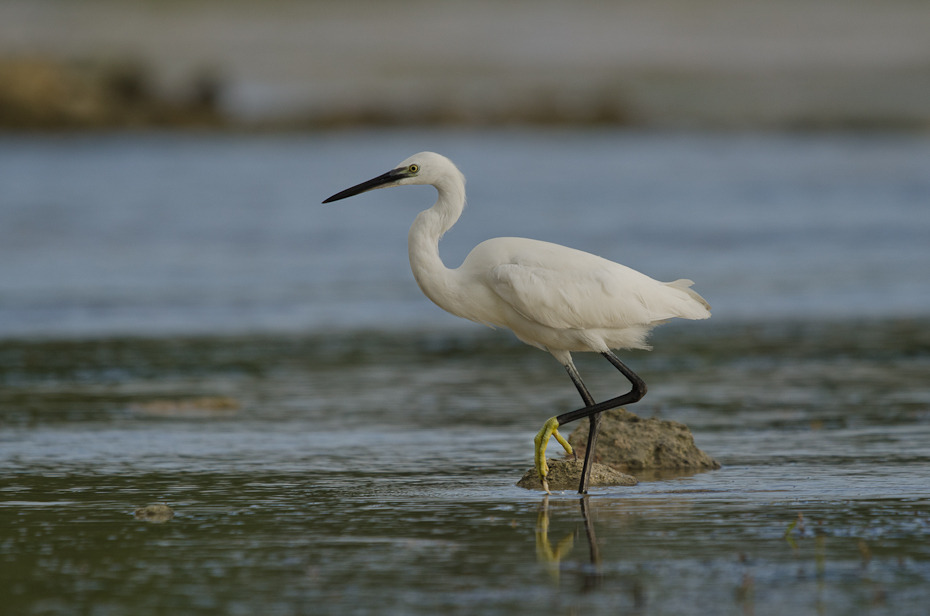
(434, 278)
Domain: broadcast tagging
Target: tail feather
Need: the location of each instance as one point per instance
(701, 310)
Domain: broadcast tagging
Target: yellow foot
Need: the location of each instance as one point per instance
(550, 428)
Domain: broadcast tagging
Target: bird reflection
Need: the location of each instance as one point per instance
(548, 555)
(552, 556)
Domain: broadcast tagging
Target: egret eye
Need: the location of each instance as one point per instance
(413, 168)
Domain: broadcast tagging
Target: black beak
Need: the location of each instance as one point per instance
(379, 182)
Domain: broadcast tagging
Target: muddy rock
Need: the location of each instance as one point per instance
(565, 474)
(158, 513)
(629, 443)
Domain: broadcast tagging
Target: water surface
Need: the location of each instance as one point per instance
(191, 234)
(183, 323)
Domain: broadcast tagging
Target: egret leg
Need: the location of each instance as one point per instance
(595, 423)
(593, 410)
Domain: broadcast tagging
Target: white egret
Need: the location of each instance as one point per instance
(552, 297)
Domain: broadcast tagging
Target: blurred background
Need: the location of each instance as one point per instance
(783, 64)
(181, 320)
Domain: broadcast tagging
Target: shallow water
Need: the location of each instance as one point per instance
(331, 443)
(343, 484)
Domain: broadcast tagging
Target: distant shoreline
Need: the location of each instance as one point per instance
(312, 65)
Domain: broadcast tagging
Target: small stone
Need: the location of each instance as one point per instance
(158, 512)
(565, 474)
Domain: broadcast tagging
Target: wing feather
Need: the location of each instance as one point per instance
(563, 288)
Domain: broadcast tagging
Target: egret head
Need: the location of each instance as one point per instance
(422, 168)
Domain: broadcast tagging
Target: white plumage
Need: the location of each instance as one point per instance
(552, 297)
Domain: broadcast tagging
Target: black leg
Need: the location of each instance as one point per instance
(595, 422)
(593, 410)
(594, 425)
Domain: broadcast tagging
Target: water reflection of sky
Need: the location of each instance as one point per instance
(152, 234)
